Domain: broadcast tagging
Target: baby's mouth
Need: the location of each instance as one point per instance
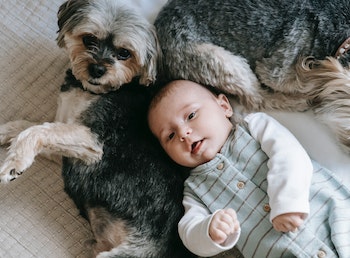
(196, 146)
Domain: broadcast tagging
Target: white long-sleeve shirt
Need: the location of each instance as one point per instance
(289, 177)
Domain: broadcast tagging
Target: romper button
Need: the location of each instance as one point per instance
(267, 207)
(240, 185)
(220, 166)
(321, 254)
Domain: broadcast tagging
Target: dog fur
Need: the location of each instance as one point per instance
(284, 55)
(113, 168)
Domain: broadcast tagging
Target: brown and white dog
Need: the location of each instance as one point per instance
(113, 168)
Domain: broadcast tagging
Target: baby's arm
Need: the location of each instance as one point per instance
(194, 230)
(290, 168)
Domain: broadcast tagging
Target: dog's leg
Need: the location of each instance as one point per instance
(214, 66)
(278, 70)
(108, 231)
(115, 238)
(328, 84)
(70, 140)
(11, 129)
(279, 76)
(133, 247)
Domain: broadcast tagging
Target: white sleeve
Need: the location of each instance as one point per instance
(194, 230)
(290, 168)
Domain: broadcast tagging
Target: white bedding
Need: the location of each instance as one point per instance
(319, 142)
(37, 219)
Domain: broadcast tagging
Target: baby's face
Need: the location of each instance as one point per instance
(191, 123)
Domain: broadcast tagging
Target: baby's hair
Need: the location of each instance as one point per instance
(164, 90)
(159, 94)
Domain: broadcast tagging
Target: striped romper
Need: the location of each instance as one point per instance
(237, 179)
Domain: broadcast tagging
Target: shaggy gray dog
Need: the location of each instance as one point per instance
(286, 55)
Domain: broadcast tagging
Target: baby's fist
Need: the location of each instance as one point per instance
(223, 224)
(288, 222)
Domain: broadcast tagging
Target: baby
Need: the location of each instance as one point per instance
(255, 168)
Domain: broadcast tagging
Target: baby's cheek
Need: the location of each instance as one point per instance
(210, 153)
(179, 157)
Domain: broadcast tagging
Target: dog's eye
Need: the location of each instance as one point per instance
(90, 41)
(123, 54)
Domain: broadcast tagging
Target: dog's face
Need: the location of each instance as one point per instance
(108, 43)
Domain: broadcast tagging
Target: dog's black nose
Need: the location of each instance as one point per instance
(97, 70)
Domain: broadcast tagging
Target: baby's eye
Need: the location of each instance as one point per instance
(171, 136)
(191, 116)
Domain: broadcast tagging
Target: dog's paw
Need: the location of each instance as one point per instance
(13, 167)
(8, 175)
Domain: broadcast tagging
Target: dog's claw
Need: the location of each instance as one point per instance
(13, 172)
(19, 172)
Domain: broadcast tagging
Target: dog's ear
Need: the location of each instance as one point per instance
(152, 59)
(69, 15)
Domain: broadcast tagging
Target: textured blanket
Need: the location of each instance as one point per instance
(37, 219)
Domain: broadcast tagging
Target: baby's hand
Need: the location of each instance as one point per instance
(223, 224)
(288, 222)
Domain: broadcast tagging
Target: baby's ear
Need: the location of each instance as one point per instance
(225, 104)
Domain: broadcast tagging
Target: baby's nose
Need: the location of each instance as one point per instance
(185, 133)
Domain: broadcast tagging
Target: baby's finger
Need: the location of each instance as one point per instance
(284, 227)
(218, 236)
(231, 219)
(231, 212)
